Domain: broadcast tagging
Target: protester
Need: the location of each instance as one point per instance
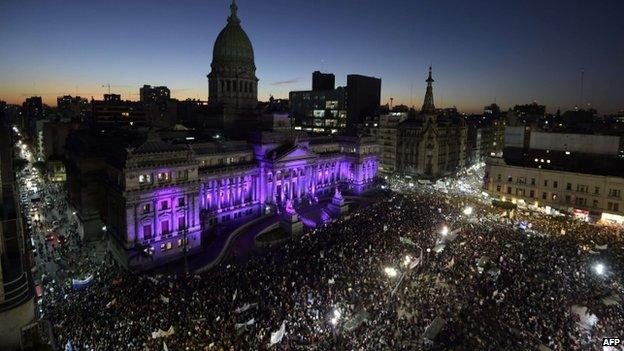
(321, 283)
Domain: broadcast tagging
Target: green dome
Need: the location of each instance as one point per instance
(233, 44)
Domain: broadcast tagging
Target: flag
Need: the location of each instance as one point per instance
(79, 284)
(277, 336)
(245, 307)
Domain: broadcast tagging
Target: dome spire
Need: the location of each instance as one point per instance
(233, 17)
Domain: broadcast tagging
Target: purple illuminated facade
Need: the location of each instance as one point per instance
(171, 197)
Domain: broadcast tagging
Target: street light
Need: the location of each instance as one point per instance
(104, 228)
(468, 210)
(336, 317)
(407, 260)
(390, 272)
(599, 268)
(444, 231)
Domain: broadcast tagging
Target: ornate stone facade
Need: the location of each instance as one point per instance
(431, 144)
(163, 198)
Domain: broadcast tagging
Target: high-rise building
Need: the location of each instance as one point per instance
(17, 307)
(32, 111)
(160, 110)
(320, 111)
(112, 111)
(75, 108)
(363, 98)
(323, 81)
(154, 95)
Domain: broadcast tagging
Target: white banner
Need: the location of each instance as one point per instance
(278, 335)
(162, 333)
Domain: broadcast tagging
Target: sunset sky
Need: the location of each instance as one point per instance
(510, 52)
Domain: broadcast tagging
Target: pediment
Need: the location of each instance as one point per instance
(296, 153)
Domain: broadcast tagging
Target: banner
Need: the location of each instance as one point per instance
(434, 328)
(356, 321)
(243, 325)
(78, 284)
(278, 335)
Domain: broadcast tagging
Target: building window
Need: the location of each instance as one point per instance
(183, 241)
(581, 188)
(499, 177)
(498, 188)
(147, 208)
(597, 190)
(545, 182)
(614, 193)
(165, 247)
(147, 231)
(508, 190)
(509, 179)
(164, 205)
(532, 181)
(181, 202)
(569, 186)
(567, 199)
(595, 204)
(163, 176)
(182, 174)
(145, 178)
(164, 227)
(543, 196)
(532, 193)
(555, 184)
(181, 223)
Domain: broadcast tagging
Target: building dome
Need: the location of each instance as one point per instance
(233, 44)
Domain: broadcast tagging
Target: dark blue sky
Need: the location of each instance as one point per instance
(481, 51)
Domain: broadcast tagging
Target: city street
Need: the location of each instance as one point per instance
(59, 253)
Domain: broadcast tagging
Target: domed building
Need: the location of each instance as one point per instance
(232, 83)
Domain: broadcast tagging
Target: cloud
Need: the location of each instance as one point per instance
(287, 82)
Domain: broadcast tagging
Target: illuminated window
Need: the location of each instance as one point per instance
(163, 176)
(147, 208)
(145, 178)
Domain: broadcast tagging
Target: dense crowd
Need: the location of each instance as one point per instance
(388, 277)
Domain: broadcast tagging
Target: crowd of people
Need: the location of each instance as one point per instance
(411, 271)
